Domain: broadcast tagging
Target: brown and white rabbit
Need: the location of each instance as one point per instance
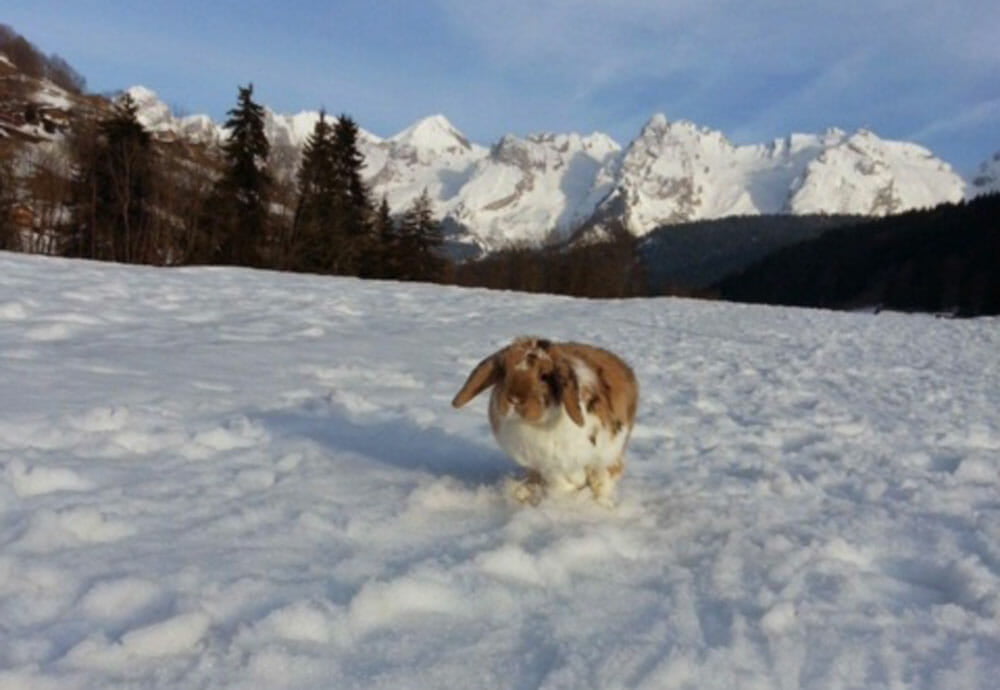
(563, 411)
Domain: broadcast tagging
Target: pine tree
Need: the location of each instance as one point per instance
(242, 194)
(127, 169)
(112, 190)
(420, 241)
(355, 208)
(386, 243)
(316, 238)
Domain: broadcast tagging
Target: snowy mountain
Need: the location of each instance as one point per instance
(431, 154)
(158, 118)
(239, 479)
(537, 188)
(861, 173)
(526, 187)
(530, 189)
(987, 178)
(281, 130)
(677, 171)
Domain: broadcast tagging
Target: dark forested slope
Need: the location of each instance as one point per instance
(945, 259)
(692, 256)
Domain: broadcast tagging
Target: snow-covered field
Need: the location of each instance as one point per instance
(217, 478)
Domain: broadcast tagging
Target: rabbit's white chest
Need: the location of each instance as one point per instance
(556, 447)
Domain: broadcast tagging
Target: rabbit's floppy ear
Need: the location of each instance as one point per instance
(569, 390)
(486, 374)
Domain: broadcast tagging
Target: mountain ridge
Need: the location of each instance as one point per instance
(541, 188)
(532, 189)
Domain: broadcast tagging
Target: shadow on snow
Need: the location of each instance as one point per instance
(396, 441)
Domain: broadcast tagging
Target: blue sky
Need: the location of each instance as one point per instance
(922, 70)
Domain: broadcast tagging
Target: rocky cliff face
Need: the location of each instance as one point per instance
(526, 190)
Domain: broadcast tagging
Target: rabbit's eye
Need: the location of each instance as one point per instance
(552, 381)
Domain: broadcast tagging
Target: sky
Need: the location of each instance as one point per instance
(919, 70)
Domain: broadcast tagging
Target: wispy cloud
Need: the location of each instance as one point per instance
(830, 62)
(983, 113)
(754, 69)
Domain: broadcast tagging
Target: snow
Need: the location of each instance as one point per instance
(433, 133)
(677, 171)
(544, 181)
(158, 118)
(879, 177)
(530, 189)
(225, 478)
(52, 96)
(432, 155)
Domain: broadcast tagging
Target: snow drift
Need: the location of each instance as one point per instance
(235, 479)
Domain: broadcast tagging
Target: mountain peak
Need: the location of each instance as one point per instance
(832, 135)
(153, 113)
(657, 122)
(142, 94)
(524, 187)
(434, 132)
(658, 126)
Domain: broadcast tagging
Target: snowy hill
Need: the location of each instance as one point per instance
(525, 189)
(223, 478)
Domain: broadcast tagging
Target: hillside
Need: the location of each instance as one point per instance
(50, 133)
(37, 91)
(689, 257)
(225, 478)
(945, 259)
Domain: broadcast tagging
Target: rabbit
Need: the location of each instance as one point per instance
(564, 411)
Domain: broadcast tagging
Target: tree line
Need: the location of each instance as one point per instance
(608, 267)
(122, 196)
(32, 62)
